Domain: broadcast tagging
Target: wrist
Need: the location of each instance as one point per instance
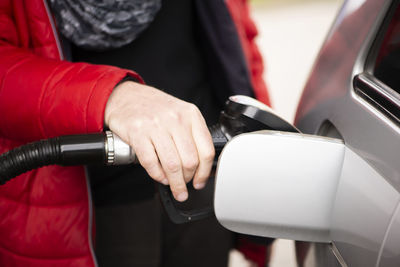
(114, 98)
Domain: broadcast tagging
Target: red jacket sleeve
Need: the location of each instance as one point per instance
(247, 30)
(41, 97)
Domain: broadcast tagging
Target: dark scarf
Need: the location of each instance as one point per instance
(103, 24)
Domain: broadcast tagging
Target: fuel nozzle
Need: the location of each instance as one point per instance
(241, 114)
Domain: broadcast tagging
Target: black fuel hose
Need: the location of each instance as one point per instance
(63, 150)
(106, 148)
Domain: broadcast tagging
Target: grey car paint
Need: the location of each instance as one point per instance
(366, 217)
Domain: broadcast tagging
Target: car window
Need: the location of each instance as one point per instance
(379, 83)
(387, 62)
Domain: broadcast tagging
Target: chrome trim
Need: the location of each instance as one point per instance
(388, 93)
(337, 255)
(117, 151)
(124, 154)
(110, 149)
(383, 98)
(54, 29)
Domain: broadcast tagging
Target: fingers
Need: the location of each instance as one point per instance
(205, 150)
(195, 148)
(187, 150)
(148, 158)
(171, 164)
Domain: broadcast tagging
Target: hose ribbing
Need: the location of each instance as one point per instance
(62, 150)
(28, 157)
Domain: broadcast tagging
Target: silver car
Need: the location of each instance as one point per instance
(337, 184)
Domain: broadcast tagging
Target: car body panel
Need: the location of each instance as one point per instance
(390, 252)
(367, 194)
(362, 211)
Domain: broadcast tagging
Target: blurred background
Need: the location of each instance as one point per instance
(291, 33)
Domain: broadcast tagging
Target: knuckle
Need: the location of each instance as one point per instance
(143, 124)
(136, 125)
(156, 175)
(193, 108)
(209, 155)
(135, 129)
(148, 163)
(153, 170)
(173, 166)
(173, 115)
(190, 164)
(194, 111)
(154, 122)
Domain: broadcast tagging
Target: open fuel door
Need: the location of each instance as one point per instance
(285, 185)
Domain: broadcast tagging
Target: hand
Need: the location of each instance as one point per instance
(169, 136)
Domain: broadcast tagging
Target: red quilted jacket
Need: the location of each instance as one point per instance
(45, 214)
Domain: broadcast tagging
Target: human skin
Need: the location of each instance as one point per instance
(169, 136)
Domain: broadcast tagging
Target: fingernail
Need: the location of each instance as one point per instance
(165, 182)
(182, 196)
(199, 186)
